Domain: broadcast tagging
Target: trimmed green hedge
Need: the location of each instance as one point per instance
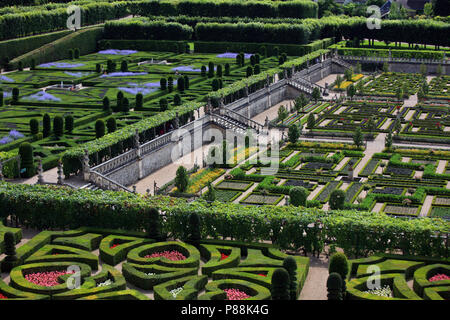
(191, 285)
(215, 288)
(422, 275)
(212, 254)
(115, 255)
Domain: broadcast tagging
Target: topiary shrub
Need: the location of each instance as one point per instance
(125, 105)
(69, 123)
(76, 53)
(227, 69)
(298, 196)
(210, 69)
(119, 101)
(257, 69)
(99, 128)
(33, 64)
(10, 251)
(339, 264)
(215, 84)
(219, 72)
(163, 83)
(211, 193)
(177, 100)
(249, 71)
(71, 54)
(106, 104)
(154, 225)
(34, 126)
(290, 265)
(15, 94)
(280, 285)
(194, 227)
(139, 101)
(26, 160)
(180, 84)
(252, 60)
(111, 124)
(170, 84)
(203, 71)
(186, 82)
(98, 68)
(124, 66)
(163, 104)
(46, 125)
(58, 126)
(337, 200)
(20, 66)
(1, 97)
(181, 179)
(334, 286)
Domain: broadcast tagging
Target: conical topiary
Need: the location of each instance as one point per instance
(280, 285)
(334, 286)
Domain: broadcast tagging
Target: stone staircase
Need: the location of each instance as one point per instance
(341, 62)
(90, 186)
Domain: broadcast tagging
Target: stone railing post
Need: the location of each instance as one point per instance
(40, 171)
(60, 173)
(86, 167)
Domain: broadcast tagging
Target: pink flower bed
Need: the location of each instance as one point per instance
(113, 246)
(171, 255)
(46, 279)
(439, 277)
(262, 275)
(3, 297)
(235, 294)
(223, 256)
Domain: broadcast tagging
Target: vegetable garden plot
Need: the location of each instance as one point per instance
(401, 210)
(387, 84)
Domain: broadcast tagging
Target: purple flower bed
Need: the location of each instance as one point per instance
(118, 52)
(186, 69)
(136, 90)
(7, 94)
(123, 74)
(42, 96)
(77, 74)
(61, 65)
(13, 135)
(6, 79)
(233, 55)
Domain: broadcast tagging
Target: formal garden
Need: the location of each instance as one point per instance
(362, 181)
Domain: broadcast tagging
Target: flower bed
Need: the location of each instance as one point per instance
(171, 255)
(385, 291)
(439, 277)
(3, 297)
(46, 279)
(176, 292)
(235, 294)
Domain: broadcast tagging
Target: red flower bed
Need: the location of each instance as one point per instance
(262, 275)
(171, 255)
(46, 279)
(235, 294)
(113, 246)
(3, 297)
(439, 277)
(223, 256)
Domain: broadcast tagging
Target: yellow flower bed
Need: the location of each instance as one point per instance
(202, 177)
(344, 85)
(356, 77)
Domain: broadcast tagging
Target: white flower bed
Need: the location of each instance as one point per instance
(104, 284)
(385, 291)
(176, 292)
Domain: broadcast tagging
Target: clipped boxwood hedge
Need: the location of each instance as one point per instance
(191, 286)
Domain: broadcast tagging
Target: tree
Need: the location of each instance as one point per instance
(337, 199)
(46, 126)
(298, 196)
(388, 141)
(249, 71)
(211, 193)
(111, 124)
(280, 285)
(177, 100)
(290, 265)
(385, 67)
(170, 84)
(194, 228)
(316, 94)
(27, 160)
(300, 102)
(397, 11)
(351, 91)
(163, 104)
(210, 69)
(34, 126)
(120, 98)
(420, 94)
(99, 128)
(180, 84)
(139, 101)
(106, 104)
(293, 133)
(71, 54)
(186, 82)
(358, 68)
(257, 69)
(282, 113)
(425, 87)
(311, 121)
(441, 8)
(338, 81)
(428, 9)
(227, 69)
(76, 53)
(252, 60)
(334, 286)
(219, 72)
(10, 251)
(371, 124)
(360, 88)
(154, 225)
(69, 123)
(181, 179)
(125, 105)
(203, 71)
(124, 66)
(163, 83)
(399, 93)
(15, 95)
(358, 137)
(215, 84)
(397, 126)
(339, 264)
(348, 74)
